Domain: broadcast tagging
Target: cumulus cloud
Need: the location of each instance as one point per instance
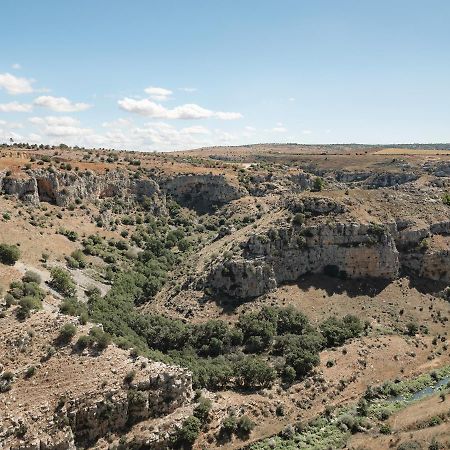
(188, 111)
(196, 130)
(306, 131)
(158, 93)
(15, 85)
(166, 136)
(15, 107)
(188, 89)
(60, 104)
(16, 66)
(118, 123)
(59, 126)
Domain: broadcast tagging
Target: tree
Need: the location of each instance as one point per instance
(302, 361)
(252, 371)
(318, 184)
(201, 411)
(189, 431)
(291, 321)
(412, 328)
(9, 254)
(62, 282)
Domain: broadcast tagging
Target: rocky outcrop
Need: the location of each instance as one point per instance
(260, 184)
(389, 179)
(62, 188)
(337, 247)
(80, 422)
(283, 255)
(165, 389)
(201, 192)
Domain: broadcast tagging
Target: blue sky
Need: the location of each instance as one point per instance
(161, 75)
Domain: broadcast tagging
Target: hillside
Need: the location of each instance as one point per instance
(263, 296)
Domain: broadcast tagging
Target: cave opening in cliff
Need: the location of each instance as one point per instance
(45, 191)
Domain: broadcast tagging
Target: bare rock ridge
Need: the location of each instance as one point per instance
(198, 191)
(333, 244)
(63, 188)
(88, 406)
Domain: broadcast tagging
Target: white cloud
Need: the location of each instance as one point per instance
(16, 66)
(157, 93)
(10, 125)
(188, 111)
(188, 89)
(306, 131)
(279, 129)
(166, 136)
(195, 130)
(54, 120)
(15, 107)
(249, 128)
(15, 85)
(59, 126)
(118, 123)
(291, 99)
(60, 104)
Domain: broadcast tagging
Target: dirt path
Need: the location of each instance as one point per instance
(81, 279)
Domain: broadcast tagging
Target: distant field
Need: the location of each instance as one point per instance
(408, 151)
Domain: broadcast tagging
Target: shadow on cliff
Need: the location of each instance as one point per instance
(351, 287)
(426, 286)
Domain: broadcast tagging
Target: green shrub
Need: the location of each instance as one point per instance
(229, 425)
(101, 339)
(245, 425)
(62, 282)
(27, 305)
(129, 377)
(66, 333)
(201, 411)
(412, 328)
(31, 277)
(9, 254)
(83, 342)
(298, 219)
(318, 184)
(189, 431)
(30, 371)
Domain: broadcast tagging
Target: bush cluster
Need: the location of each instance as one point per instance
(9, 254)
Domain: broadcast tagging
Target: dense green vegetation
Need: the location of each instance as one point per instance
(221, 355)
(263, 345)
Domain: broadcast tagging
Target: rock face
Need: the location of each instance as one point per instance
(425, 250)
(165, 389)
(333, 245)
(80, 422)
(63, 188)
(201, 191)
(282, 255)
